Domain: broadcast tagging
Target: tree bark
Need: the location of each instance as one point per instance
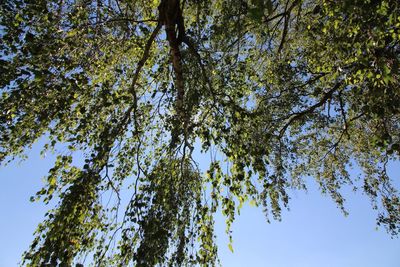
(171, 15)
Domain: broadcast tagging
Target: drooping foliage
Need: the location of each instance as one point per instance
(277, 92)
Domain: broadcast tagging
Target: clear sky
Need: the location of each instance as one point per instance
(312, 233)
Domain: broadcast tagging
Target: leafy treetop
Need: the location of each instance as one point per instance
(277, 91)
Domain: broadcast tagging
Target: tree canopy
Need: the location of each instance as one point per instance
(277, 92)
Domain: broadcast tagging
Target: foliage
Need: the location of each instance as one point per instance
(277, 91)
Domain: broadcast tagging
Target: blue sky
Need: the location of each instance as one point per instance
(313, 233)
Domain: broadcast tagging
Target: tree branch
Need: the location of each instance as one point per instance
(299, 115)
(142, 61)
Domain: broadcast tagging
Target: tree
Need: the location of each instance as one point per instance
(277, 91)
